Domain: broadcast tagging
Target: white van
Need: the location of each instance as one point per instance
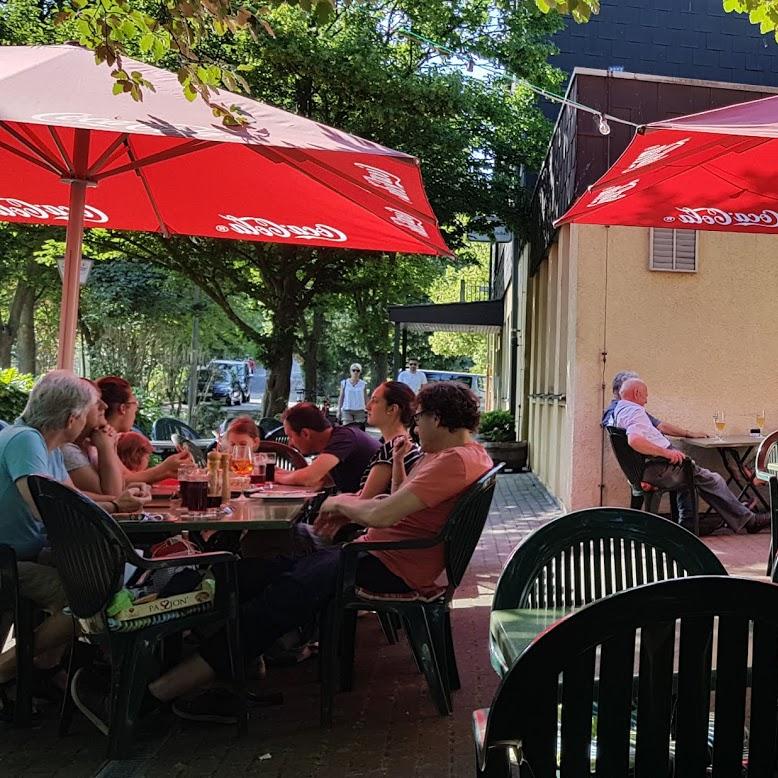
(474, 381)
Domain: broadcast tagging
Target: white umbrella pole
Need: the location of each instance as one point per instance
(68, 316)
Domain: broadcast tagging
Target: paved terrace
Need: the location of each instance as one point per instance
(386, 727)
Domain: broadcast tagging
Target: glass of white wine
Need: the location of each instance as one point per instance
(760, 419)
(720, 422)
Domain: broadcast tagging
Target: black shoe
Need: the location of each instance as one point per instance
(90, 695)
(759, 522)
(214, 706)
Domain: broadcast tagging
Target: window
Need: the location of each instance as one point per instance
(673, 250)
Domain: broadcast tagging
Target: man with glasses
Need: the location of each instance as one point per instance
(352, 398)
(413, 377)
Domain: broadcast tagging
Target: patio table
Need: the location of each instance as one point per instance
(277, 513)
(735, 451)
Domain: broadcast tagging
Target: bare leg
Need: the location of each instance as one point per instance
(55, 632)
(193, 673)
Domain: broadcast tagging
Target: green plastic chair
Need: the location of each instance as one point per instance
(561, 712)
(582, 557)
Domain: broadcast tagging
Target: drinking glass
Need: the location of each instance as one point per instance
(197, 491)
(760, 419)
(720, 422)
(270, 469)
(258, 474)
(241, 460)
(184, 475)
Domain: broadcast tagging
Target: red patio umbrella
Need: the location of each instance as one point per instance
(167, 165)
(716, 170)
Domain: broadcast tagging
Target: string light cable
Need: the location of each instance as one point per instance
(600, 119)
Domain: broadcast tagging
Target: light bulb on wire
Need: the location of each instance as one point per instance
(601, 123)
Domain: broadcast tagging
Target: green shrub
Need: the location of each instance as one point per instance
(497, 427)
(14, 389)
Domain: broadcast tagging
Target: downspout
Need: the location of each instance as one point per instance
(604, 360)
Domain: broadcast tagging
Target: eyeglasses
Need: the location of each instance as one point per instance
(132, 402)
(355, 370)
(417, 416)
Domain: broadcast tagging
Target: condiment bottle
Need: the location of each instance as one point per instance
(225, 460)
(213, 473)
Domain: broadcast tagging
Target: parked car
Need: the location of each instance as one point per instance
(242, 372)
(219, 382)
(474, 381)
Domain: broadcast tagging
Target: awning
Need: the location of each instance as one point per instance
(481, 317)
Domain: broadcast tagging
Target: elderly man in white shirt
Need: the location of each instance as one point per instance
(663, 465)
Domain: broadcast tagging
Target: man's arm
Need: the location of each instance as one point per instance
(649, 449)
(675, 431)
(383, 512)
(312, 475)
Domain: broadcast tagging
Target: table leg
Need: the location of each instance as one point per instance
(735, 463)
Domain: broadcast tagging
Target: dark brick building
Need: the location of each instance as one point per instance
(680, 38)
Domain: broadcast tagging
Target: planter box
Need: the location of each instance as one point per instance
(513, 454)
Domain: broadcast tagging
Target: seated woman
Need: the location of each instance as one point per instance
(134, 451)
(122, 406)
(91, 460)
(390, 408)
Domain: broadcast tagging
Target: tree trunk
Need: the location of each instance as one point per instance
(10, 330)
(279, 370)
(311, 355)
(26, 347)
(379, 361)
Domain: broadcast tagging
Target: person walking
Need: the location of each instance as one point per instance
(352, 398)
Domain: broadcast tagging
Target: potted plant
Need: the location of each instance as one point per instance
(497, 434)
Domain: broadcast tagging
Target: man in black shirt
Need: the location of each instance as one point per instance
(344, 452)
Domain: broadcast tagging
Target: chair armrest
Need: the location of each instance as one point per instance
(761, 455)
(176, 560)
(389, 545)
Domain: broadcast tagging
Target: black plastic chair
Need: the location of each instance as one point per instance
(166, 426)
(633, 464)
(766, 454)
(427, 623)
(3, 424)
(277, 436)
(561, 712)
(584, 556)
(19, 613)
(90, 551)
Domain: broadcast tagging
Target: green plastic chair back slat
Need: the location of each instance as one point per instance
(578, 701)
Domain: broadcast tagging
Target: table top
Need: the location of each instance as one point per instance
(168, 445)
(726, 441)
(243, 514)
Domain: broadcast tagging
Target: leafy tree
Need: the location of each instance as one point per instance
(474, 279)
(761, 12)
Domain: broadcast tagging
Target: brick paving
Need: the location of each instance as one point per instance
(387, 726)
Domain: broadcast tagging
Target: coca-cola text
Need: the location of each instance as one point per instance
(11, 206)
(255, 225)
(718, 216)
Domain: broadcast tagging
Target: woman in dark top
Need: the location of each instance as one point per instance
(391, 408)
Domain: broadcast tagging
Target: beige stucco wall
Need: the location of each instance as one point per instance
(702, 341)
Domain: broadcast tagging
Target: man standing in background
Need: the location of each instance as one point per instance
(413, 377)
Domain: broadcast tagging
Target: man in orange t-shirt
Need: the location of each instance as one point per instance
(447, 415)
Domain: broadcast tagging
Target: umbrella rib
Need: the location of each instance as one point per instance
(48, 162)
(142, 175)
(60, 147)
(33, 160)
(162, 156)
(108, 155)
(416, 236)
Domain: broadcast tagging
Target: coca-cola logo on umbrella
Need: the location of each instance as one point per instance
(255, 225)
(717, 216)
(13, 207)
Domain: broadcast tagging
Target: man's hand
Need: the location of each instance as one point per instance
(693, 434)
(132, 499)
(328, 524)
(675, 457)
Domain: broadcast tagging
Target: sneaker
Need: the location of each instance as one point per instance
(214, 706)
(90, 695)
(759, 522)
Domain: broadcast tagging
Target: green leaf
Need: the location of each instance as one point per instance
(147, 42)
(118, 88)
